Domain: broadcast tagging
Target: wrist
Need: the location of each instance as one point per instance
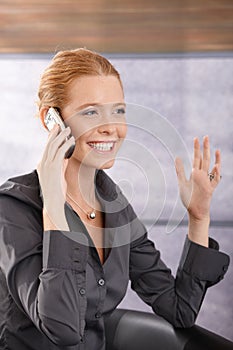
(203, 220)
(54, 219)
(199, 230)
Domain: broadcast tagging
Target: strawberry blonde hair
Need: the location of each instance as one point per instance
(64, 68)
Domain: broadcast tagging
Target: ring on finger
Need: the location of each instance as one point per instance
(211, 176)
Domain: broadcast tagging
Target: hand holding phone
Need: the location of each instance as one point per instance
(53, 117)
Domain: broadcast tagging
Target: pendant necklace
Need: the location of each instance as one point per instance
(90, 215)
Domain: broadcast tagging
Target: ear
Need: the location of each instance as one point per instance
(42, 114)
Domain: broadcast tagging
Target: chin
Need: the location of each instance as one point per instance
(107, 165)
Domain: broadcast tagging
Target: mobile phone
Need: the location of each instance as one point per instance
(53, 117)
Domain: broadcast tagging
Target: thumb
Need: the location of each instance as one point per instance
(180, 170)
(65, 164)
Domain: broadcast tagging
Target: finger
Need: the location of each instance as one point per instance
(206, 154)
(54, 128)
(51, 136)
(60, 155)
(54, 132)
(180, 170)
(201, 160)
(196, 154)
(216, 171)
(57, 142)
(218, 159)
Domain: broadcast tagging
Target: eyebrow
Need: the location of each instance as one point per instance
(99, 104)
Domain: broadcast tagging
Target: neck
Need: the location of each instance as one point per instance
(80, 181)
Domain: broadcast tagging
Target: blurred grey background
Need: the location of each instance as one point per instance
(192, 94)
(176, 62)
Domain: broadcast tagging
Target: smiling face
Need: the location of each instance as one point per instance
(96, 114)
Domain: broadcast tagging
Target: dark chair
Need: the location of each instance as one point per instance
(136, 330)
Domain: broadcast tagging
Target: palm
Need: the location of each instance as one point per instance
(196, 193)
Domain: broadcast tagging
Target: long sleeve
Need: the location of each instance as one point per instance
(177, 299)
(45, 272)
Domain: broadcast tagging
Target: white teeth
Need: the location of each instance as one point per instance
(103, 146)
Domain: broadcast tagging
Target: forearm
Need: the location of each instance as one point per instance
(198, 230)
(178, 300)
(41, 289)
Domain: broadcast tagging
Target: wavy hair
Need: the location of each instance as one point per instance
(64, 68)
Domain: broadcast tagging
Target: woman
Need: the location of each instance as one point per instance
(70, 241)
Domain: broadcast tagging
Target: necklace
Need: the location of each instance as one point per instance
(90, 215)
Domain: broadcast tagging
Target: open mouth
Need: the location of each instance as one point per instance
(102, 146)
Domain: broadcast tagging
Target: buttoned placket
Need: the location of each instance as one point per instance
(102, 294)
(81, 280)
(81, 277)
(100, 281)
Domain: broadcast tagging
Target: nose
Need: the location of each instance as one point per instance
(107, 128)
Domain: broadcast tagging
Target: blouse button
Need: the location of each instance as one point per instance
(101, 282)
(82, 291)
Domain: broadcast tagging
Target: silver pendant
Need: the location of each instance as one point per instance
(91, 215)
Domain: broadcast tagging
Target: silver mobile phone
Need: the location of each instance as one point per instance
(53, 117)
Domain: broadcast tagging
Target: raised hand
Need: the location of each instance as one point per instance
(196, 192)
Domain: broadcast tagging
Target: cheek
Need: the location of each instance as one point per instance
(79, 128)
(123, 130)
(81, 145)
(78, 131)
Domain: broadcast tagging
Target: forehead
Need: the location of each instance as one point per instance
(95, 89)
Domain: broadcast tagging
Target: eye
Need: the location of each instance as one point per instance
(119, 111)
(90, 112)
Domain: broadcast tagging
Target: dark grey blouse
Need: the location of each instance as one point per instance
(54, 292)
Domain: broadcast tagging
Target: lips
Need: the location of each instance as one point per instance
(102, 146)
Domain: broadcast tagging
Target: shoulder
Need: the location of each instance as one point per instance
(20, 210)
(23, 189)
